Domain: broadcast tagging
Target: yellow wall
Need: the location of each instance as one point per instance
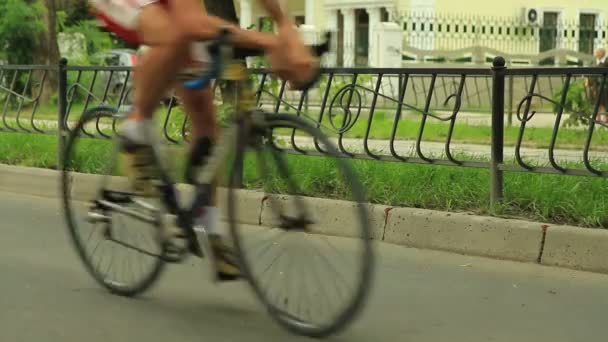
(501, 8)
(295, 7)
(402, 5)
(514, 7)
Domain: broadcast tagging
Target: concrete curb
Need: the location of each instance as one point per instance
(31, 181)
(336, 218)
(582, 249)
(518, 240)
(466, 234)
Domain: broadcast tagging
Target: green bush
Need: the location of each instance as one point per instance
(97, 40)
(20, 27)
(577, 104)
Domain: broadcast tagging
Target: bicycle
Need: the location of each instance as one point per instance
(250, 132)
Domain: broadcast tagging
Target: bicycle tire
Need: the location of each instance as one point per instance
(127, 290)
(293, 324)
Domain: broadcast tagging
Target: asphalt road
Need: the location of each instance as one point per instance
(419, 296)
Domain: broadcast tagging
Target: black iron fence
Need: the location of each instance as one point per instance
(497, 118)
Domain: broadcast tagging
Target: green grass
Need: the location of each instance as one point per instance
(382, 127)
(409, 129)
(579, 201)
(43, 112)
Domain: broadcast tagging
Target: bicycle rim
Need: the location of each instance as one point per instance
(297, 320)
(81, 241)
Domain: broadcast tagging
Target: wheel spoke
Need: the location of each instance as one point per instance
(110, 259)
(336, 251)
(325, 285)
(268, 244)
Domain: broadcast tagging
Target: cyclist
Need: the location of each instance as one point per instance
(169, 28)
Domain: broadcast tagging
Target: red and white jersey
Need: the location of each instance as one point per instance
(120, 16)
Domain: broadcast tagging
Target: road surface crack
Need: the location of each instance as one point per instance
(387, 213)
(544, 228)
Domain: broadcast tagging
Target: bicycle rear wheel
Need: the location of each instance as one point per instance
(124, 258)
(312, 274)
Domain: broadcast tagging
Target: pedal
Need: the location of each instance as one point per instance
(168, 255)
(299, 224)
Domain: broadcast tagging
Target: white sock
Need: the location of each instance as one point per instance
(211, 221)
(139, 131)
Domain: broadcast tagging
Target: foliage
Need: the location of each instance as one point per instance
(224, 113)
(61, 21)
(97, 40)
(77, 11)
(260, 62)
(20, 27)
(577, 104)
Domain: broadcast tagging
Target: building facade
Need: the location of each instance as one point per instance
(513, 27)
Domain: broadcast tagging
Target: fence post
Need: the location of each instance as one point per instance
(498, 117)
(510, 104)
(63, 105)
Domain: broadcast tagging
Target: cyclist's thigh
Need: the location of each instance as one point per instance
(156, 26)
(191, 16)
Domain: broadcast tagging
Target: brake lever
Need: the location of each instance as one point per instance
(318, 51)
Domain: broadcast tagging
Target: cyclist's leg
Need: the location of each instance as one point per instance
(172, 26)
(159, 64)
(150, 21)
(201, 111)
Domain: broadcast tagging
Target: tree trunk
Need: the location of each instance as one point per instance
(46, 53)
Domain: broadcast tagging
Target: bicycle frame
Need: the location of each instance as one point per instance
(237, 75)
(225, 68)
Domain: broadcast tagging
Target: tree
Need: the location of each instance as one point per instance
(46, 50)
(75, 10)
(20, 28)
(28, 36)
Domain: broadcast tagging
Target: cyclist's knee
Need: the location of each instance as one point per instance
(180, 39)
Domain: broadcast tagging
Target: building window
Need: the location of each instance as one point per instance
(384, 15)
(586, 34)
(548, 32)
(300, 20)
(361, 37)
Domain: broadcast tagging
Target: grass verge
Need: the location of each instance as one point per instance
(381, 128)
(558, 199)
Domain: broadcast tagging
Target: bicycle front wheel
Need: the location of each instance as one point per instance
(119, 251)
(311, 270)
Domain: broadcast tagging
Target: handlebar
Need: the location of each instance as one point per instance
(220, 49)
